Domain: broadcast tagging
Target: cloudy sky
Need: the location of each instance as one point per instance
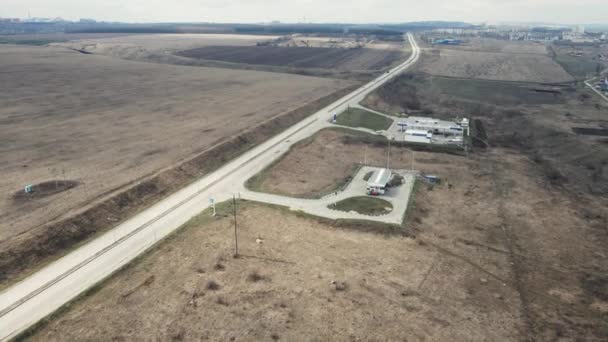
(352, 11)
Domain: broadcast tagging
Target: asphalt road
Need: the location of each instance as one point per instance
(39, 295)
(588, 84)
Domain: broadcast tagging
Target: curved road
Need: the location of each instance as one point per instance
(32, 299)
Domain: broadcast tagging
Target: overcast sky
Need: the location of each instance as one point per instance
(352, 11)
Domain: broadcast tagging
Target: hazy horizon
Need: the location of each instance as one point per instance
(565, 12)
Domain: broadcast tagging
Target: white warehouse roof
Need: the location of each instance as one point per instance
(419, 122)
(418, 132)
(380, 178)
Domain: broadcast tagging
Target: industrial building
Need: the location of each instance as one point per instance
(378, 182)
(434, 126)
(428, 130)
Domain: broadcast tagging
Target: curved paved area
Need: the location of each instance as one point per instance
(398, 197)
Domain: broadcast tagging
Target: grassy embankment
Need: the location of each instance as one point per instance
(356, 117)
(364, 205)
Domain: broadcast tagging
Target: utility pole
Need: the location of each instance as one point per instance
(236, 238)
(365, 156)
(212, 202)
(413, 156)
(388, 157)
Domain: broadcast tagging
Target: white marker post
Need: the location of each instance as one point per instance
(212, 202)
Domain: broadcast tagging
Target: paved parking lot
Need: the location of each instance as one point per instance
(398, 197)
(397, 132)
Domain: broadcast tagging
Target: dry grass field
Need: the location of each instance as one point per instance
(307, 281)
(316, 165)
(104, 123)
(127, 45)
(300, 57)
(550, 179)
(334, 42)
(315, 56)
(498, 46)
(491, 59)
(537, 120)
(582, 61)
(494, 253)
(515, 67)
(42, 39)
(511, 245)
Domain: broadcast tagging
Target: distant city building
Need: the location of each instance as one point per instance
(10, 20)
(580, 29)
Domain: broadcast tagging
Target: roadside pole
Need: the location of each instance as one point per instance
(413, 157)
(212, 202)
(236, 238)
(388, 157)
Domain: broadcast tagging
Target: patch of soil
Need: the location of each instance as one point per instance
(43, 189)
(590, 131)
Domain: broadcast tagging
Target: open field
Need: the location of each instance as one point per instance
(50, 38)
(337, 42)
(539, 123)
(307, 280)
(491, 59)
(582, 61)
(121, 46)
(497, 46)
(580, 68)
(494, 66)
(409, 92)
(300, 57)
(314, 56)
(510, 246)
(327, 160)
(106, 123)
(498, 93)
(486, 258)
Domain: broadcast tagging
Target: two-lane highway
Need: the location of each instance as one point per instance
(25, 303)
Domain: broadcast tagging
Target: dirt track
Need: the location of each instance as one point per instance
(83, 111)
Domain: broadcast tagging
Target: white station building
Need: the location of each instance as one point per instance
(378, 182)
(434, 126)
(429, 130)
